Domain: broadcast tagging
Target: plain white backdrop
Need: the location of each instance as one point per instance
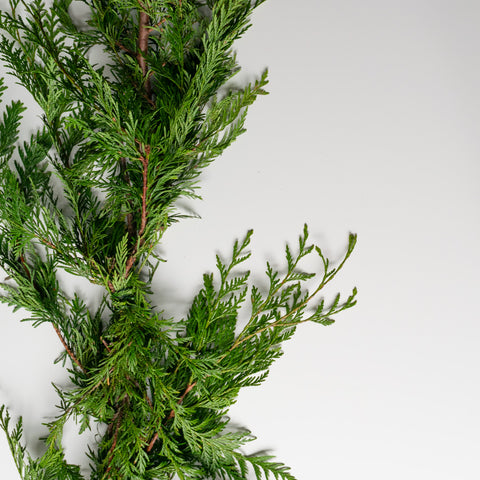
(372, 125)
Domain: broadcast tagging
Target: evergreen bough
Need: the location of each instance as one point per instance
(93, 191)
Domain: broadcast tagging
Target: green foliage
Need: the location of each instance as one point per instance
(92, 192)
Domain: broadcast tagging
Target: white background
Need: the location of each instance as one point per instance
(372, 126)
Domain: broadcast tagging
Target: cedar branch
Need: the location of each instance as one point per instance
(60, 336)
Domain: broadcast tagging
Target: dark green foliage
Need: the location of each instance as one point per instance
(92, 193)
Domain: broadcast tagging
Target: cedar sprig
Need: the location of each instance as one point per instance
(93, 191)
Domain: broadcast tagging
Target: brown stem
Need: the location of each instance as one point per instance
(25, 268)
(67, 348)
(161, 22)
(106, 345)
(129, 265)
(48, 243)
(143, 33)
(152, 442)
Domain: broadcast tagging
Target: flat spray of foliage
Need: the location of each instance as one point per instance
(93, 191)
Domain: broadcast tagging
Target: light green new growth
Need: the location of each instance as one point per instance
(92, 193)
